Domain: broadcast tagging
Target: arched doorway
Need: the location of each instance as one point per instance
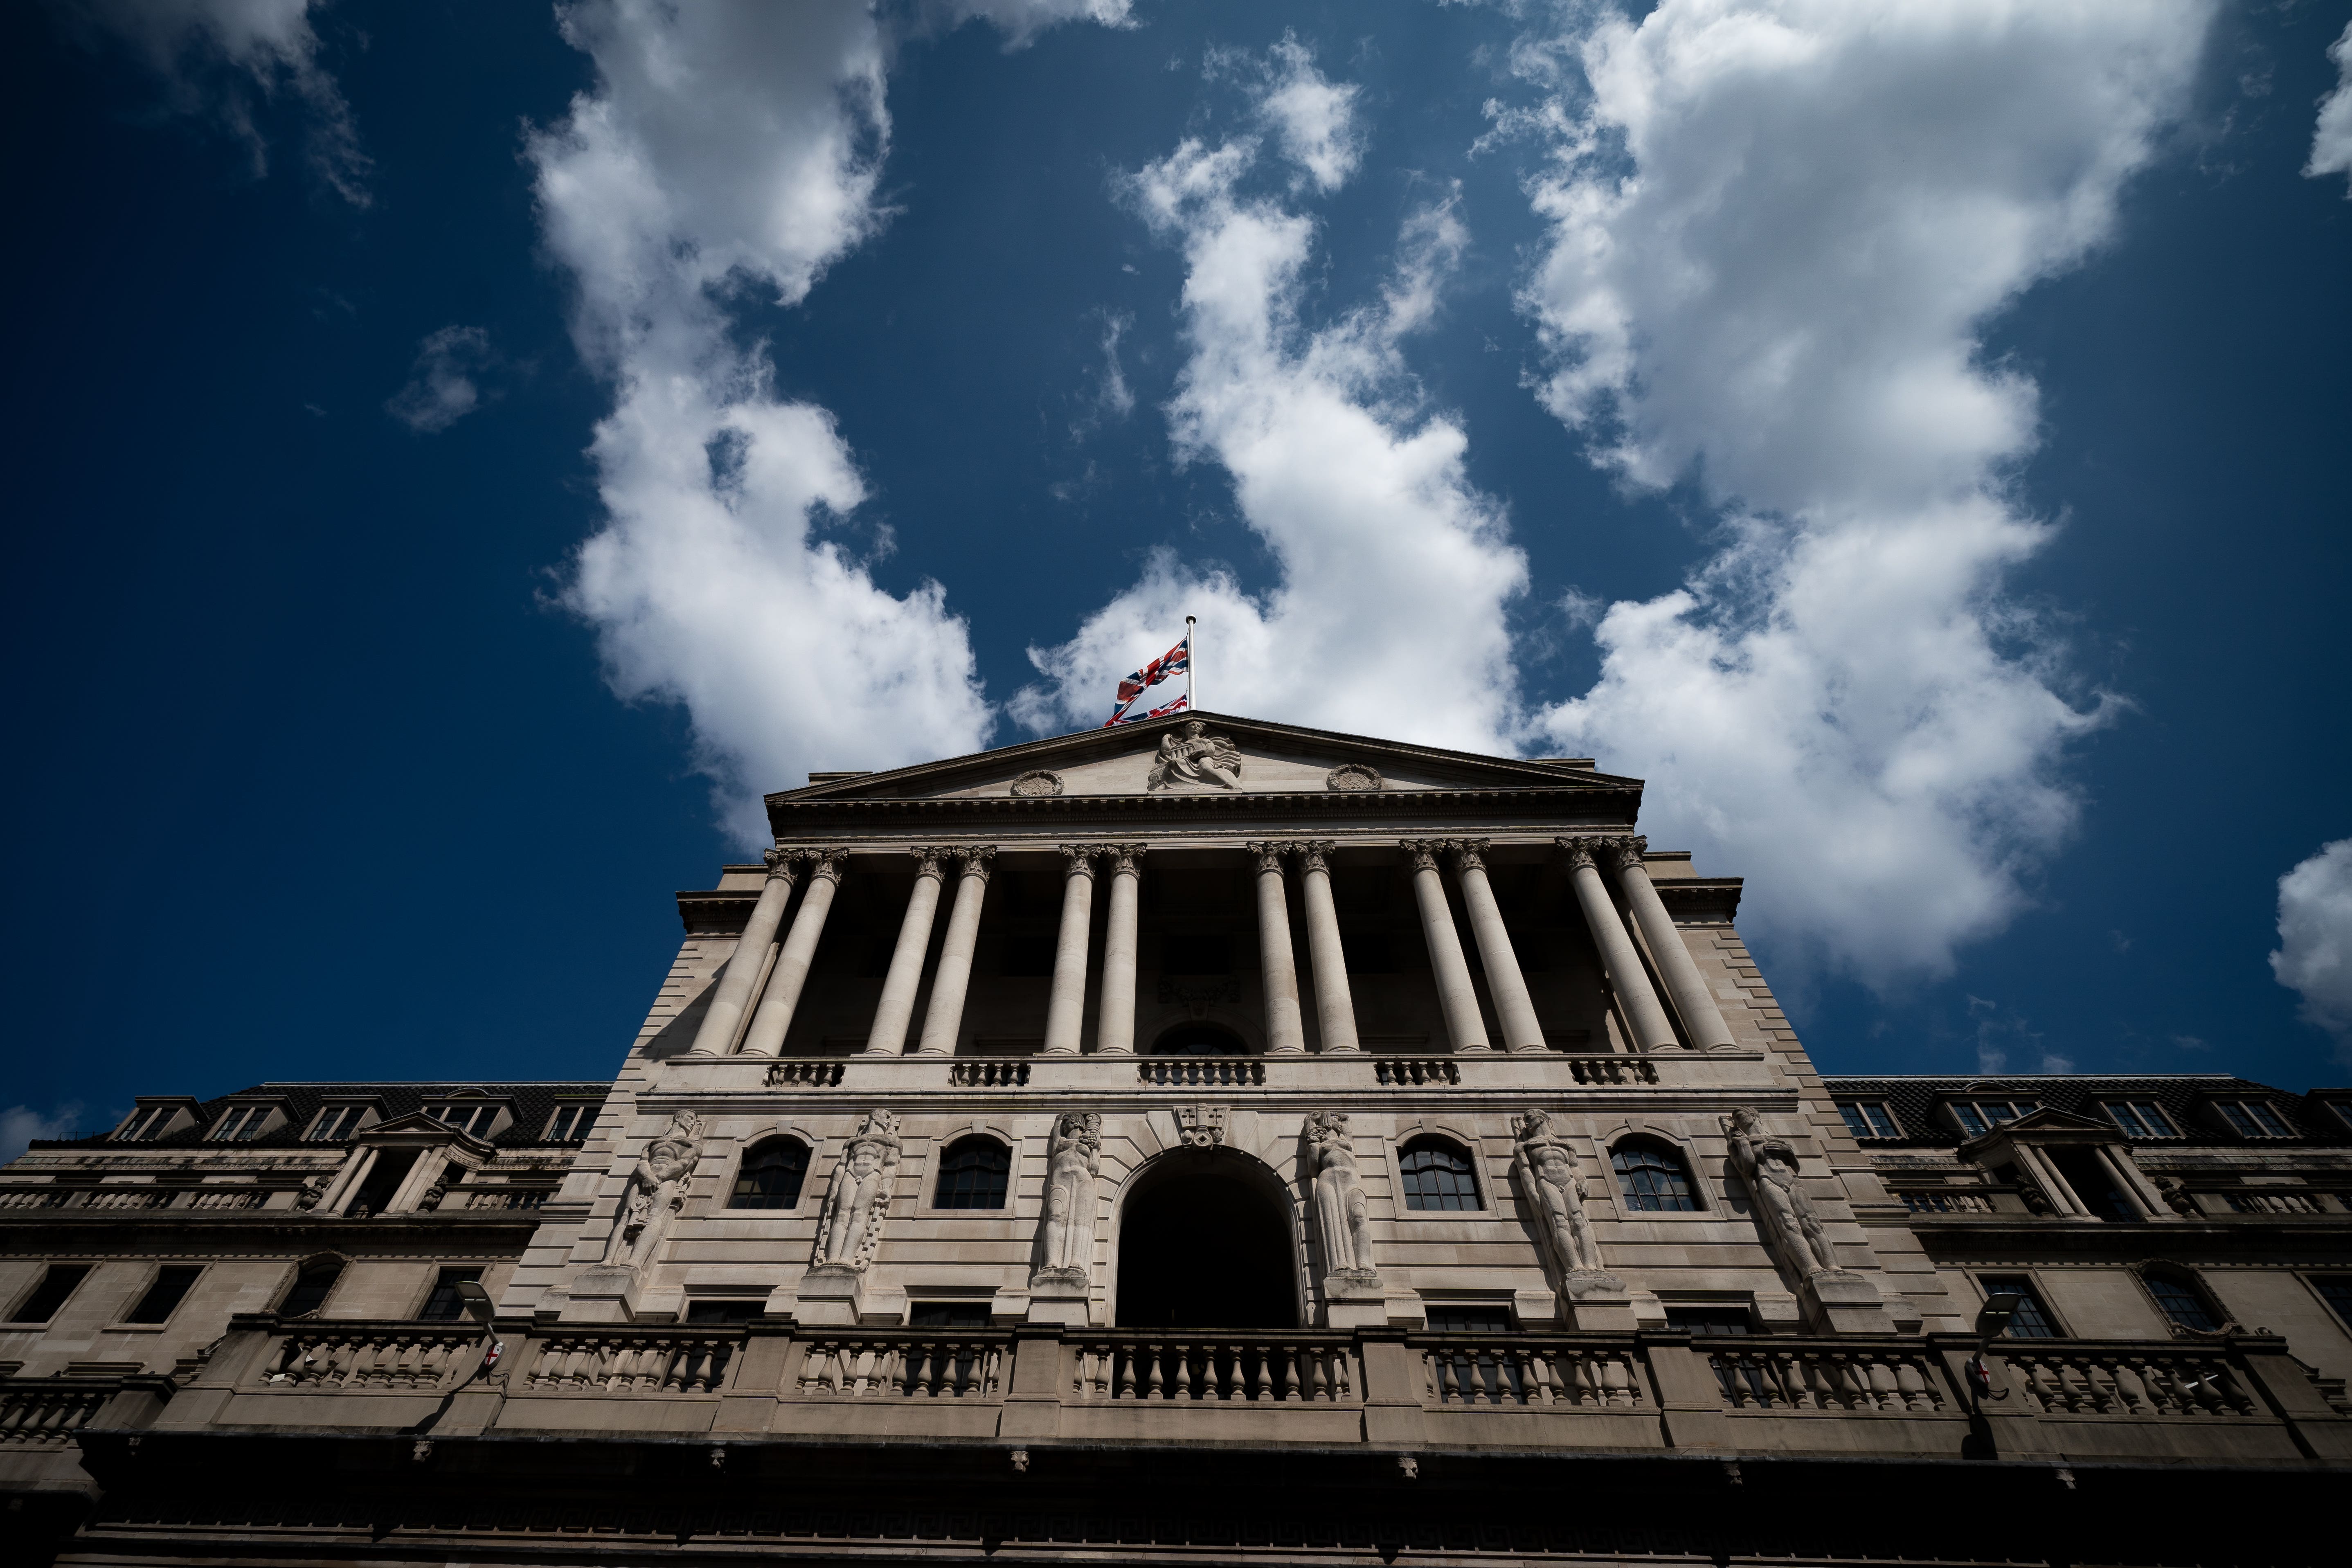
(1199, 1040)
(1204, 1242)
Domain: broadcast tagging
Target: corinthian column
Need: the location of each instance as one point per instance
(1618, 960)
(1115, 1025)
(766, 1036)
(943, 1021)
(1513, 1007)
(888, 1037)
(1701, 1019)
(1335, 1009)
(1065, 1012)
(1457, 998)
(733, 992)
(1286, 1032)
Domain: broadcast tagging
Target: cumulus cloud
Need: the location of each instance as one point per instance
(727, 149)
(2315, 950)
(441, 388)
(2331, 139)
(20, 1124)
(1777, 231)
(1392, 570)
(213, 56)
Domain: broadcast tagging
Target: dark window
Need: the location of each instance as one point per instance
(2252, 1119)
(1978, 1117)
(2181, 1304)
(473, 1120)
(383, 1179)
(570, 1123)
(2342, 1110)
(772, 1175)
(2141, 1118)
(145, 1124)
(1195, 952)
(2087, 1174)
(1868, 1119)
(723, 1311)
(948, 1315)
(310, 1288)
(241, 1123)
(2033, 1319)
(172, 1282)
(1471, 1320)
(1437, 1176)
(50, 1293)
(444, 1305)
(973, 1174)
(336, 1123)
(1715, 1321)
(1653, 1179)
(2336, 1291)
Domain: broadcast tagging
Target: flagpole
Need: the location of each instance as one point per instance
(1192, 665)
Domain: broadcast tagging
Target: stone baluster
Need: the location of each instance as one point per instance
(1457, 997)
(943, 1020)
(1286, 1031)
(1514, 1009)
(1066, 1010)
(896, 1010)
(765, 1037)
(1115, 1024)
(1620, 960)
(1701, 1019)
(732, 994)
(1334, 1007)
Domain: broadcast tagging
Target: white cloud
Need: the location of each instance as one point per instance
(729, 147)
(20, 1125)
(1314, 119)
(211, 54)
(2315, 924)
(1394, 571)
(441, 388)
(1776, 233)
(2331, 139)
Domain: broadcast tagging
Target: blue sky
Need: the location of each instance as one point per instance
(464, 454)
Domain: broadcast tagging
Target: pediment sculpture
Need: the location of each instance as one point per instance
(857, 1199)
(1189, 754)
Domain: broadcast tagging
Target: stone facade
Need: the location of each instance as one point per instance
(1243, 1112)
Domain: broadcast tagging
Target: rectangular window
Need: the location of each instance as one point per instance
(336, 1123)
(241, 1124)
(145, 1123)
(1717, 1322)
(1979, 1117)
(2341, 1110)
(1869, 1118)
(724, 1311)
(2182, 1304)
(172, 1282)
(383, 1178)
(2033, 1319)
(1471, 1320)
(55, 1285)
(2141, 1119)
(2336, 1290)
(2087, 1174)
(2253, 1119)
(444, 1305)
(474, 1119)
(948, 1315)
(570, 1123)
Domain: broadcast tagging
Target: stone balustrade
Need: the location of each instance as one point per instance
(1415, 1071)
(989, 1072)
(2127, 1381)
(47, 1411)
(643, 1360)
(1207, 1365)
(1530, 1370)
(1201, 1072)
(1828, 1375)
(359, 1356)
(913, 1365)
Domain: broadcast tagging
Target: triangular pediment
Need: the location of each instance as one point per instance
(1227, 755)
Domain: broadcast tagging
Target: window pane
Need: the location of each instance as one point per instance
(1470, 1321)
(772, 1175)
(2181, 1304)
(1882, 1121)
(1970, 1122)
(172, 1282)
(972, 1175)
(310, 1290)
(1854, 1120)
(1437, 1177)
(50, 1293)
(444, 1305)
(723, 1311)
(948, 1315)
(1718, 1321)
(2336, 1291)
(2127, 1116)
(136, 1126)
(2031, 1322)
(1653, 1180)
(1999, 1111)
(2267, 1119)
(2240, 1123)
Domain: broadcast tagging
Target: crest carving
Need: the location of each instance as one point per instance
(1038, 782)
(1202, 1126)
(1349, 778)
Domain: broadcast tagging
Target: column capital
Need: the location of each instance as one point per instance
(1313, 855)
(826, 865)
(1422, 852)
(977, 858)
(1122, 857)
(1618, 850)
(1079, 859)
(1469, 853)
(780, 860)
(927, 858)
(1269, 854)
(1576, 851)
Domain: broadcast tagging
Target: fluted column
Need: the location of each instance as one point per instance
(765, 1037)
(1701, 1019)
(1115, 1024)
(1457, 998)
(1285, 1030)
(943, 1020)
(1065, 1012)
(733, 993)
(1515, 1010)
(896, 1010)
(1619, 959)
(1335, 1008)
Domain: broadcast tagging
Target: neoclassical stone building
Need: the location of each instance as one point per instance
(1201, 1140)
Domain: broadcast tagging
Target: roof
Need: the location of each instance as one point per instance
(2183, 1095)
(533, 1104)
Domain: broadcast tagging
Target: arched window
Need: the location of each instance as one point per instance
(1437, 1175)
(310, 1288)
(2183, 1302)
(1653, 1178)
(771, 1175)
(973, 1174)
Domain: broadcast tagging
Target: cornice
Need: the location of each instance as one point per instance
(1700, 897)
(1599, 805)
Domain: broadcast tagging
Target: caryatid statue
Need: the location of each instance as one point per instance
(1783, 1207)
(1065, 1232)
(1551, 1180)
(857, 1199)
(1342, 1218)
(656, 1191)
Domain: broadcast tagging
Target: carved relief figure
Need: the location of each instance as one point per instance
(656, 1191)
(857, 1200)
(1342, 1218)
(1192, 755)
(1552, 1180)
(1066, 1234)
(1783, 1207)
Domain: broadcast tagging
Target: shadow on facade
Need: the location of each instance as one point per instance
(1204, 1243)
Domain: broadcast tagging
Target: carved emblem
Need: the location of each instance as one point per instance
(1191, 755)
(1350, 777)
(1038, 782)
(1197, 993)
(1203, 1126)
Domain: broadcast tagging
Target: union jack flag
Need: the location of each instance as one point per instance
(1175, 662)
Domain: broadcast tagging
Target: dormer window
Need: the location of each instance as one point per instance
(1979, 1117)
(473, 1116)
(570, 1123)
(146, 1122)
(2341, 1110)
(2141, 1119)
(240, 1124)
(336, 1123)
(1869, 1118)
(2253, 1119)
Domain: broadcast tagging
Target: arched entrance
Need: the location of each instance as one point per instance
(1204, 1242)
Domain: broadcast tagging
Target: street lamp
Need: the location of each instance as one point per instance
(1993, 1320)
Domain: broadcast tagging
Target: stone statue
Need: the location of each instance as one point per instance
(313, 1188)
(849, 1228)
(1192, 755)
(1341, 1216)
(1783, 1208)
(656, 1191)
(1551, 1179)
(1065, 1233)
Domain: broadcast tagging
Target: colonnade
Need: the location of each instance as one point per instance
(752, 1005)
